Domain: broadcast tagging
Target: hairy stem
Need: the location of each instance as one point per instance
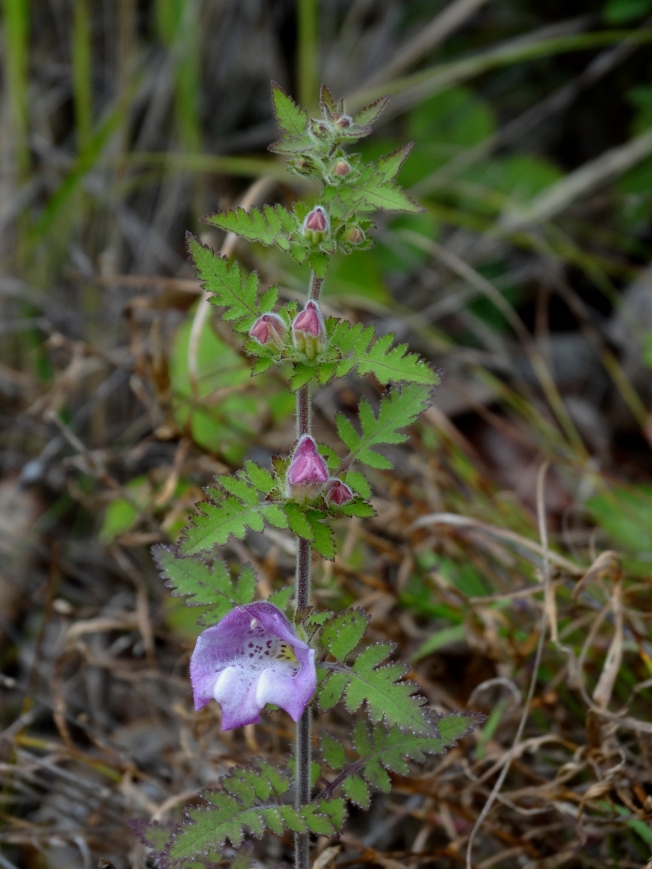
(302, 840)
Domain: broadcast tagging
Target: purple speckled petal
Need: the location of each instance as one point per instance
(252, 657)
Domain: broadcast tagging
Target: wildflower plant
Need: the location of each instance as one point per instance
(282, 651)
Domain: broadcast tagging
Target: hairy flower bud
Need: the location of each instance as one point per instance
(251, 658)
(337, 493)
(269, 329)
(320, 129)
(316, 226)
(302, 165)
(309, 331)
(341, 168)
(354, 235)
(307, 471)
(343, 122)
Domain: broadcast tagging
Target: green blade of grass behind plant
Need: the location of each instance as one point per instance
(16, 51)
(82, 74)
(408, 90)
(307, 53)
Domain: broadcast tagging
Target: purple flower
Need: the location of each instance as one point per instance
(252, 657)
(309, 331)
(307, 471)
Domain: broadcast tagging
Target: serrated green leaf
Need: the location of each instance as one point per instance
(381, 748)
(298, 521)
(323, 540)
(387, 697)
(333, 751)
(261, 365)
(394, 364)
(211, 588)
(301, 375)
(291, 119)
(240, 488)
(375, 189)
(388, 166)
(243, 806)
(282, 597)
(272, 226)
(356, 790)
(398, 409)
(358, 508)
(330, 690)
(343, 633)
(217, 522)
(260, 477)
(369, 113)
(358, 482)
(319, 263)
(226, 285)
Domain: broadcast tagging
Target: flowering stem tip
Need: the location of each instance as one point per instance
(251, 658)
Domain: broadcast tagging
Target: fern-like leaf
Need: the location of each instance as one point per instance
(387, 696)
(395, 364)
(233, 506)
(291, 118)
(398, 409)
(381, 749)
(272, 225)
(209, 587)
(249, 802)
(375, 188)
(238, 297)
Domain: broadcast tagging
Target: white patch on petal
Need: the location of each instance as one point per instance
(267, 689)
(231, 683)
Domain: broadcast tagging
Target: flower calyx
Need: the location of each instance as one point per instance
(251, 658)
(307, 471)
(337, 493)
(269, 330)
(309, 331)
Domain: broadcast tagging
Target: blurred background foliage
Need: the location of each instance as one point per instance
(526, 279)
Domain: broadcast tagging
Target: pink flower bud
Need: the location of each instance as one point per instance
(307, 472)
(269, 329)
(309, 332)
(343, 122)
(354, 235)
(341, 168)
(316, 226)
(337, 493)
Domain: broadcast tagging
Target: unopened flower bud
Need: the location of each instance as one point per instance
(343, 122)
(354, 235)
(307, 471)
(269, 329)
(320, 129)
(341, 167)
(316, 226)
(309, 331)
(302, 165)
(337, 493)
